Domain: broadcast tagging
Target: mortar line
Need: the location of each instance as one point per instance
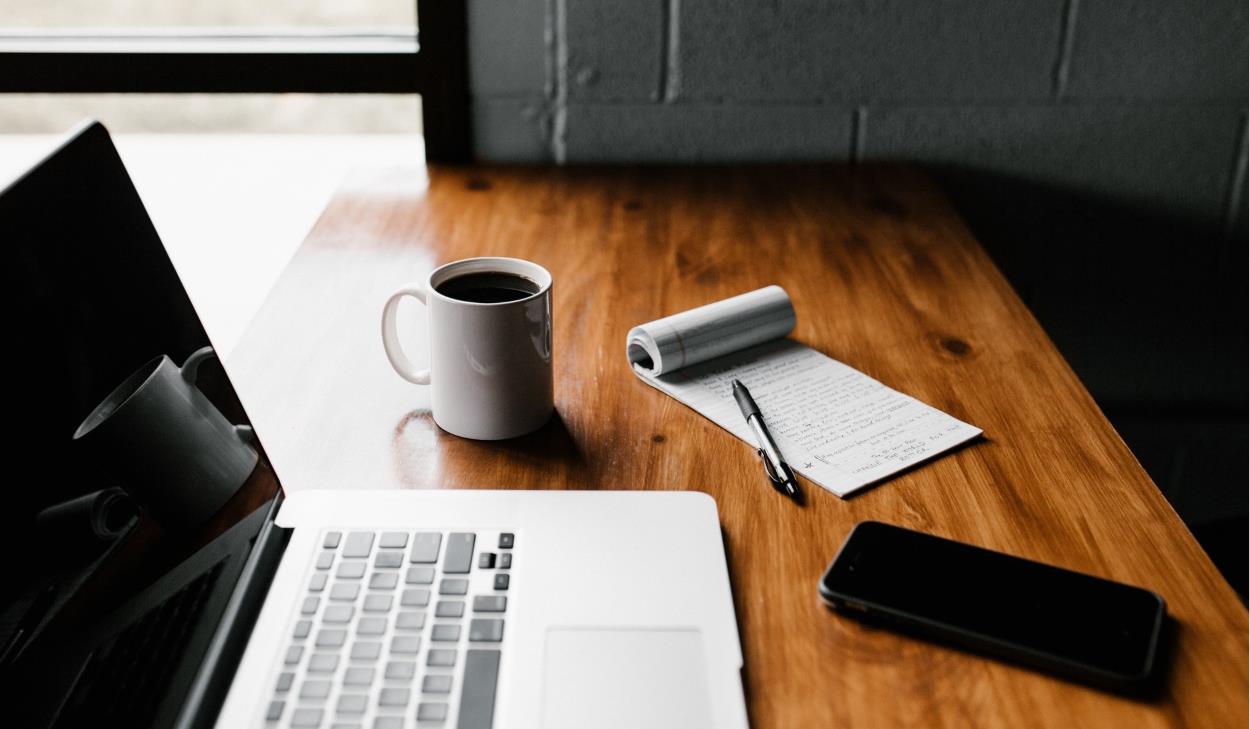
(560, 52)
(549, 52)
(1063, 64)
(670, 70)
(1237, 189)
(859, 121)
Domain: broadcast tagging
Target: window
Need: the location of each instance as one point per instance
(397, 16)
(240, 47)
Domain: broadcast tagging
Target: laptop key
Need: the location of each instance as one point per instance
(388, 558)
(314, 689)
(419, 575)
(449, 609)
(501, 581)
(293, 654)
(371, 626)
(274, 712)
(383, 581)
(490, 604)
(302, 629)
(507, 540)
(505, 561)
(477, 693)
(357, 676)
(410, 621)
(393, 540)
(344, 591)
(453, 586)
(338, 614)
(459, 557)
(331, 637)
(443, 657)
(415, 597)
(307, 717)
(394, 697)
(310, 605)
(487, 630)
(425, 547)
(436, 684)
(377, 603)
(318, 582)
(332, 540)
(401, 670)
(352, 704)
(445, 633)
(284, 682)
(359, 544)
(324, 560)
(352, 569)
(323, 663)
(366, 650)
(388, 722)
(405, 644)
(486, 560)
(432, 712)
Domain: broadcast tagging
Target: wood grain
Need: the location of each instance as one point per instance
(885, 278)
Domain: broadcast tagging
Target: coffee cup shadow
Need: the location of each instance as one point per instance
(552, 447)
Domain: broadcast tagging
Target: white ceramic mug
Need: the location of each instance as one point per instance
(490, 363)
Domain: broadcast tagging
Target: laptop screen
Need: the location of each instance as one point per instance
(128, 449)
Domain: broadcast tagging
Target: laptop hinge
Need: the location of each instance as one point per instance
(208, 690)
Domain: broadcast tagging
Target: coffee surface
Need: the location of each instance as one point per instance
(488, 288)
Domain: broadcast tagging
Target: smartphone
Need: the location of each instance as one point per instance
(1077, 626)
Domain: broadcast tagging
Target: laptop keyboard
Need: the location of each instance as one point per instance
(396, 629)
(127, 676)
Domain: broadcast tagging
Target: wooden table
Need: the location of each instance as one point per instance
(884, 277)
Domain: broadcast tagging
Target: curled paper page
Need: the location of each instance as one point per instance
(701, 334)
(81, 528)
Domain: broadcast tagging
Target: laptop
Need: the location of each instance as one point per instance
(145, 586)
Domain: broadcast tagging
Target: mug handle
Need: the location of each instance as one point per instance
(390, 335)
(190, 372)
(190, 369)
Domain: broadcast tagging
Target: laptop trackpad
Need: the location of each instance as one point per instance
(618, 678)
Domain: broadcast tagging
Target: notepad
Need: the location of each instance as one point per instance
(836, 426)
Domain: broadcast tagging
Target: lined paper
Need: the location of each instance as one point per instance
(836, 426)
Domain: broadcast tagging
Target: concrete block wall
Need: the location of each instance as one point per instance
(1138, 101)
(1097, 148)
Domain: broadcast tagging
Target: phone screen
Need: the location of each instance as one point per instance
(989, 597)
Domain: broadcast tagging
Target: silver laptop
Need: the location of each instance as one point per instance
(463, 609)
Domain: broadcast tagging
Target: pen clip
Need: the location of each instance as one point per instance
(769, 471)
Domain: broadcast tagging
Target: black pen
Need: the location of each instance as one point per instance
(775, 466)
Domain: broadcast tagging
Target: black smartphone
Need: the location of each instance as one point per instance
(1081, 627)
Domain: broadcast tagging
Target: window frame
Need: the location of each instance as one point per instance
(433, 64)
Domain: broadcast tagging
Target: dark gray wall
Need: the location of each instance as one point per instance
(586, 80)
(1096, 147)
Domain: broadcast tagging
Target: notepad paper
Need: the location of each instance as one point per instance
(836, 426)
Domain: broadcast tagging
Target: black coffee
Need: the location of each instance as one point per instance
(488, 288)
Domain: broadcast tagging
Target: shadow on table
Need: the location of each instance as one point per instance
(551, 444)
(421, 444)
(1149, 306)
